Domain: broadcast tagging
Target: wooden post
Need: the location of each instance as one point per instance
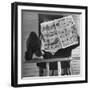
(59, 68)
(47, 68)
(70, 69)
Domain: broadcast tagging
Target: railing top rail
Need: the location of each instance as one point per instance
(51, 60)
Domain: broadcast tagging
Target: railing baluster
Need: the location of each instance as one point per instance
(59, 68)
(47, 68)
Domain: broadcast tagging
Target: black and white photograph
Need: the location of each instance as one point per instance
(57, 38)
(49, 43)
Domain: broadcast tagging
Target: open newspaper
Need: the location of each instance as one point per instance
(59, 33)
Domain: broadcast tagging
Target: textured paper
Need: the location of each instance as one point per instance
(59, 33)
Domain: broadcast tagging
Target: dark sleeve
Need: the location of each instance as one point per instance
(28, 55)
(62, 53)
(74, 46)
(47, 55)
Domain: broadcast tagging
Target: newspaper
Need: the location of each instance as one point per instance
(59, 33)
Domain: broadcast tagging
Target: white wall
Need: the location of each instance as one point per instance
(5, 46)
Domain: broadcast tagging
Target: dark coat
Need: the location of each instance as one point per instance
(33, 46)
(61, 53)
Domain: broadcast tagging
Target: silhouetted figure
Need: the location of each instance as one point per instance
(33, 46)
(61, 53)
(66, 53)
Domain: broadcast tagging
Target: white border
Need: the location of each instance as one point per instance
(30, 80)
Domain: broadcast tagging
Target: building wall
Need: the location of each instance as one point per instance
(29, 24)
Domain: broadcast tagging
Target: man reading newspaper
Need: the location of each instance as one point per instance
(59, 33)
(59, 37)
